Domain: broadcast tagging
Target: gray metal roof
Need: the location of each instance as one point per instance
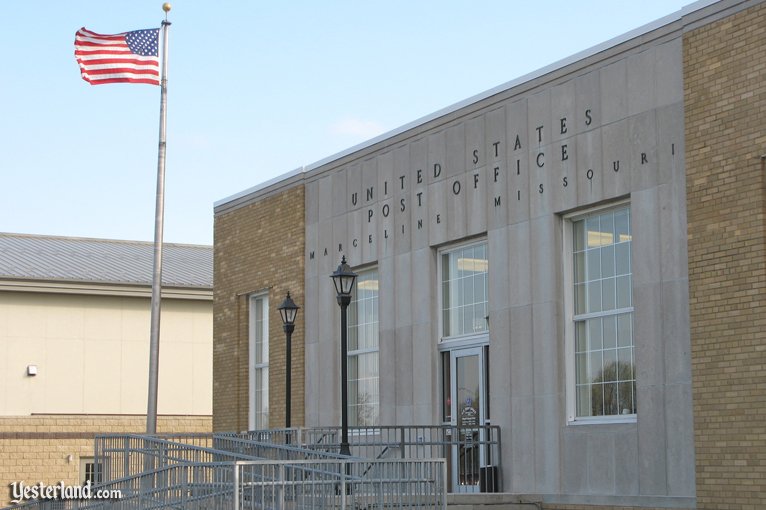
(72, 259)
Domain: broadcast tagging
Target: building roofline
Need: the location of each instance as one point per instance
(115, 289)
(35, 261)
(258, 187)
(239, 198)
(100, 239)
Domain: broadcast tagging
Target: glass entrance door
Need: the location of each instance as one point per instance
(468, 406)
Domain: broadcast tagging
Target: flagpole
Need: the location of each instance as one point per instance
(154, 342)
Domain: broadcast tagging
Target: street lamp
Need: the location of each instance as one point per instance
(343, 278)
(288, 310)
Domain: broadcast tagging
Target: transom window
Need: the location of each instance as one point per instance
(605, 381)
(363, 377)
(259, 362)
(464, 294)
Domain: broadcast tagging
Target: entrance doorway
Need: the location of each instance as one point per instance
(465, 399)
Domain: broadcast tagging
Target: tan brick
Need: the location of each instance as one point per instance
(725, 102)
(257, 247)
(45, 459)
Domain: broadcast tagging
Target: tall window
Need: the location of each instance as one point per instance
(605, 380)
(363, 393)
(464, 294)
(259, 362)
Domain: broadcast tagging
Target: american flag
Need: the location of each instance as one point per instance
(130, 57)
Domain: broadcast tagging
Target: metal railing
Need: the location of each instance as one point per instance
(119, 456)
(245, 445)
(293, 468)
(189, 486)
(124, 455)
(341, 484)
(473, 453)
(278, 485)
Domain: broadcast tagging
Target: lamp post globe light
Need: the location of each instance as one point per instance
(344, 278)
(288, 310)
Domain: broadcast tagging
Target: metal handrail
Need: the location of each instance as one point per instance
(302, 465)
(301, 468)
(259, 484)
(339, 484)
(474, 452)
(477, 448)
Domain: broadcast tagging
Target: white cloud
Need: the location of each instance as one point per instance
(356, 127)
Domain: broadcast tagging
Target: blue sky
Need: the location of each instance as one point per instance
(256, 89)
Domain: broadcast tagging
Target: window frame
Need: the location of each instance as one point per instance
(466, 339)
(367, 350)
(569, 327)
(253, 367)
(95, 471)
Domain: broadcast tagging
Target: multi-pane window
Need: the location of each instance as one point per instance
(464, 290)
(259, 362)
(363, 378)
(605, 380)
(90, 471)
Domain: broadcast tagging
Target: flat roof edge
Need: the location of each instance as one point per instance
(61, 286)
(560, 64)
(259, 187)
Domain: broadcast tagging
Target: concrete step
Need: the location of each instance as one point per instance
(496, 501)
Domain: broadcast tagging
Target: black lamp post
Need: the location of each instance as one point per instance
(288, 310)
(344, 278)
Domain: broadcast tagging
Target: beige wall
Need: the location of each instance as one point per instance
(92, 354)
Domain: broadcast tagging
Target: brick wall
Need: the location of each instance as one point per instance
(552, 506)
(725, 102)
(257, 247)
(38, 448)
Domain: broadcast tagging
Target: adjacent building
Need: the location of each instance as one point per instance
(576, 256)
(74, 349)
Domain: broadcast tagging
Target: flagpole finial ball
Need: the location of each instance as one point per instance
(166, 6)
